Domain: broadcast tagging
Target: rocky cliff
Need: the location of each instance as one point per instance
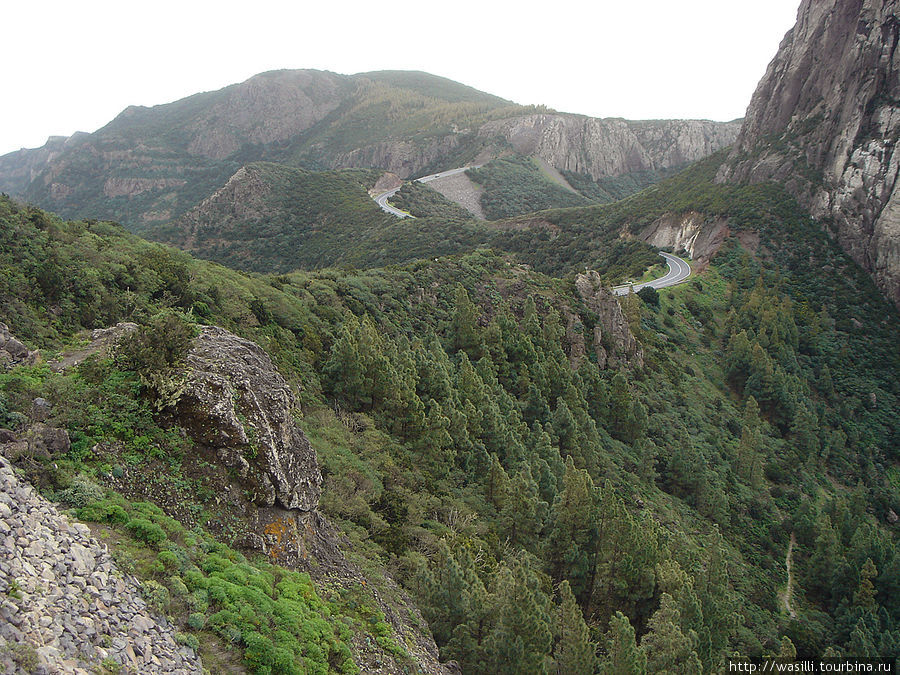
(612, 147)
(237, 406)
(824, 121)
(613, 342)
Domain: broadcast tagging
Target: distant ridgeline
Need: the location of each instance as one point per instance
(150, 166)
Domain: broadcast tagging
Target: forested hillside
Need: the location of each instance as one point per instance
(558, 483)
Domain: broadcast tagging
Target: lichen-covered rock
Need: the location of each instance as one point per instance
(825, 121)
(237, 405)
(614, 342)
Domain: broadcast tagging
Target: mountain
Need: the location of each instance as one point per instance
(150, 166)
(825, 120)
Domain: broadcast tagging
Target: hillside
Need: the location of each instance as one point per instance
(150, 166)
(525, 455)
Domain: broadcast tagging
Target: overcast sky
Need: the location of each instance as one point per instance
(73, 66)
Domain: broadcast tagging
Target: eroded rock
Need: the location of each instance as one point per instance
(824, 122)
(613, 340)
(237, 405)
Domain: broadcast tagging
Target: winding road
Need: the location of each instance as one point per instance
(382, 199)
(679, 269)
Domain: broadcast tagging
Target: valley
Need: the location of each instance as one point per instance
(589, 395)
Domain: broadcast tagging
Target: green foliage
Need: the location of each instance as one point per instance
(516, 185)
(468, 440)
(145, 531)
(649, 295)
(422, 201)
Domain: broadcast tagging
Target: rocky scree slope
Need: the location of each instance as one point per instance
(825, 120)
(64, 605)
(150, 165)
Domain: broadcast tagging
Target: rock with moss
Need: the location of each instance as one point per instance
(236, 405)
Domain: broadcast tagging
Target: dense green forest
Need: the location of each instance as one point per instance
(516, 185)
(546, 514)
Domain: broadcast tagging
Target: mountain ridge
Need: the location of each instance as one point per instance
(151, 165)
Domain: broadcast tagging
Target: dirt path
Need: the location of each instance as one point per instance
(789, 590)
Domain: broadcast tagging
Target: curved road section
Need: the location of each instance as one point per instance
(382, 199)
(679, 270)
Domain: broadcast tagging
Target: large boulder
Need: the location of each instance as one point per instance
(238, 406)
(614, 342)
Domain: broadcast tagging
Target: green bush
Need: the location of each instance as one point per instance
(649, 295)
(158, 346)
(197, 620)
(103, 511)
(146, 531)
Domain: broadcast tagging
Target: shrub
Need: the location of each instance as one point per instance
(168, 559)
(188, 640)
(197, 620)
(156, 595)
(158, 346)
(145, 531)
(103, 511)
(649, 295)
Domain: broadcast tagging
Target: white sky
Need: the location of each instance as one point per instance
(74, 65)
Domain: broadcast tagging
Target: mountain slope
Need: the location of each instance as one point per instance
(825, 120)
(483, 431)
(151, 165)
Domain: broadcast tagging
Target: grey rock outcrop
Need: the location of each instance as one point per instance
(697, 233)
(612, 147)
(64, 605)
(613, 341)
(824, 121)
(236, 404)
(39, 440)
(13, 352)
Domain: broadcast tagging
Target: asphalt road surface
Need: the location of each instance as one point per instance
(679, 270)
(382, 199)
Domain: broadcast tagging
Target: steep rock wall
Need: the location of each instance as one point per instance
(824, 121)
(611, 147)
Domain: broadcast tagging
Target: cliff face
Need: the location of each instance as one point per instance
(612, 147)
(824, 121)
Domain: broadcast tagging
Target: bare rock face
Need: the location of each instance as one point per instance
(614, 342)
(696, 233)
(612, 147)
(237, 405)
(825, 120)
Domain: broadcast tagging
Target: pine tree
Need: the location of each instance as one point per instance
(787, 651)
(464, 332)
(669, 651)
(623, 657)
(497, 484)
(521, 638)
(574, 653)
(572, 531)
(522, 517)
(865, 594)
